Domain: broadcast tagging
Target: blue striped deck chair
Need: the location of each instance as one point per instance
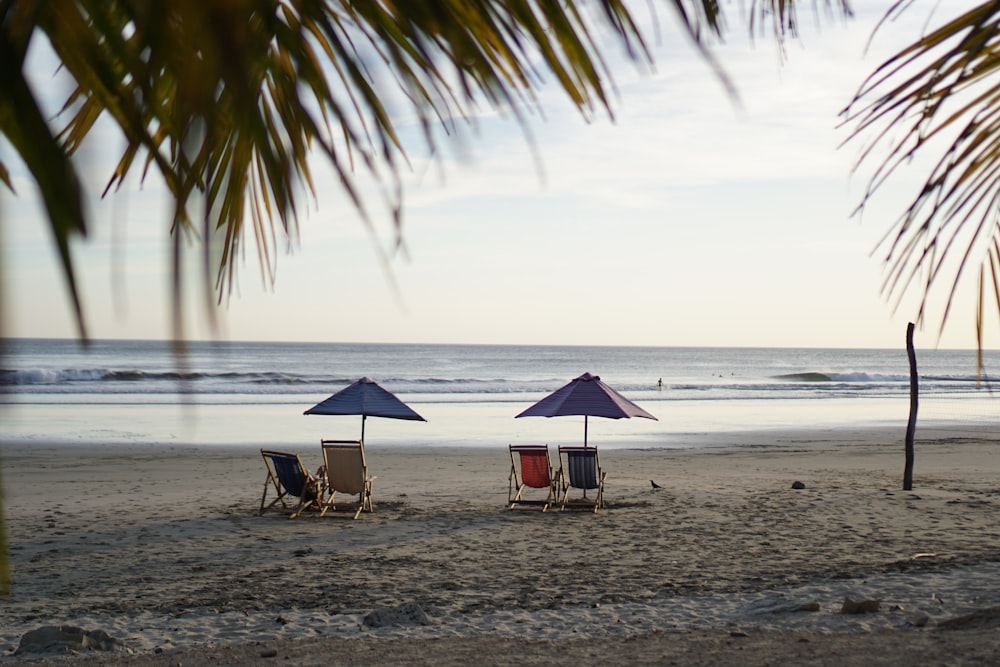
(289, 478)
(580, 468)
(535, 472)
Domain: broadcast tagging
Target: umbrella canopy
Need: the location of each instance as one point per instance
(587, 395)
(366, 398)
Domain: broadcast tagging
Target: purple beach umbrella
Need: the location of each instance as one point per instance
(589, 397)
(366, 398)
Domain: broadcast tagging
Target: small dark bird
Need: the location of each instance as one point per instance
(654, 485)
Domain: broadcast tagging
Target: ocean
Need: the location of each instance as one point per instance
(240, 393)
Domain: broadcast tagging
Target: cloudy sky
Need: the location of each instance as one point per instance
(688, 220)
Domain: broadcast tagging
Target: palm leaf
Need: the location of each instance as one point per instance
(941, 88)
(5, 177)
(226, 99)
(24, 125)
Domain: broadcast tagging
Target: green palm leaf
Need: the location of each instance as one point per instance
(939, 90)
(225, 100)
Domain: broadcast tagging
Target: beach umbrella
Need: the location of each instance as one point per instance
(588, 396)
(366, 398)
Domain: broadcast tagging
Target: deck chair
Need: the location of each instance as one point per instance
(535, 472)
(289, 478)
(580, 468)
(346, 472)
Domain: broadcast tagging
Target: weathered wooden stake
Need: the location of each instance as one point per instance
(911, 425)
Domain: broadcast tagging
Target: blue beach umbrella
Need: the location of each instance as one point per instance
(366, 398)
(588, 396)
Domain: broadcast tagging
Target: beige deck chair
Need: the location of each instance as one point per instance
(580, 468)
(535, 472)
(289, 477)
(346, 472)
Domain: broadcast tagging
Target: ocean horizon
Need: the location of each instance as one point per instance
(228, 392)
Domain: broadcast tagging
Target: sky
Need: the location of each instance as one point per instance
(688, 220)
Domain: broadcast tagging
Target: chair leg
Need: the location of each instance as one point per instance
(302, 507)
(512, 500)
(513, 488)
(518, 496)
(552, 498)
(362, 502)
(329, 503)
(280, 497)
(263, 497)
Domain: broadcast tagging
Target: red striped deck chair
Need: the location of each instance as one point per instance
(289, 478)
(580, 468)
(530, 467)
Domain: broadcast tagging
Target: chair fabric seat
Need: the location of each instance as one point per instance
(535, 469)
(580, 468)
(290, 474)
(288, 477)
(531, 467)
(346, 472)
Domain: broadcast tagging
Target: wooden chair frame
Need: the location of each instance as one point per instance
(516, 484)
(310, 490)
(345, 471)
(567, 478)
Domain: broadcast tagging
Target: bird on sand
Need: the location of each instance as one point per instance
(654, 485)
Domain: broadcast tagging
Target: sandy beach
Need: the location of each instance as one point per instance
(727, 563)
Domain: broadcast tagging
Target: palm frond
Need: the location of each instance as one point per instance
(5, 177)
(23, 123)
(231, 99)
(225, 100)
(940, 89)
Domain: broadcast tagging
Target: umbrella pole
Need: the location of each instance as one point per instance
(585, 422)
(363, 418)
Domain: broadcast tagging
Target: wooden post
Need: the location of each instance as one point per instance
(911, 425)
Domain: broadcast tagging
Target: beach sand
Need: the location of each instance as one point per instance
(162, 548)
